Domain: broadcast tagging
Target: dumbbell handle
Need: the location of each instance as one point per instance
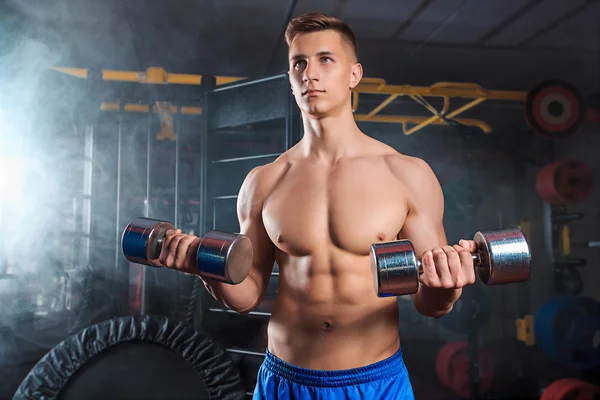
(476, 261)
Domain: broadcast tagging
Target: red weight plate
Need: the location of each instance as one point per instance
(554, 109)
(565, 182)
(443, 360)
(565, 100)
(572, 389)
(452, 367)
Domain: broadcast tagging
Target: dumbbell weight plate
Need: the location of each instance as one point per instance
(225, 256)
(505, 256)
(142, 240)
(394, 268)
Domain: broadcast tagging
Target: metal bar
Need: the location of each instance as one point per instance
(214, 215)
(118, 229)
(151, 75)
(144, 306)
(222, 310)
(507, 21)
(288, 119)
(138, 76)
(203, 169)
(144, 108)
(472, 329)
(247, 352)
(556, 22)
(424, 103)
(148, 158)
(402, 119)
(383, 104)
(177, 129)
(465, 107)
(438, 118)
(418, 100)
(86, 201)
(420, 8)
(451, 89)
(366, 86)
(248, 83)
(246, 158)
(223, 80)
(231, 196)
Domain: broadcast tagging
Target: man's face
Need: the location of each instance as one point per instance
(322, 70)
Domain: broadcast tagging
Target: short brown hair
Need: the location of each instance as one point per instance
(315, 22)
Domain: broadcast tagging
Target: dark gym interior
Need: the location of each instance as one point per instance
(114, 110)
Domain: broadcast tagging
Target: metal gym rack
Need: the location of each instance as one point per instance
(235, 103)
(231, 110)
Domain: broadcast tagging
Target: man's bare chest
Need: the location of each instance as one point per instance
(310, 210)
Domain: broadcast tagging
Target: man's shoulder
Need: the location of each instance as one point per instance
(395, 159)
(261, 179)
(417, 179)
(409, 167)
(271, 170)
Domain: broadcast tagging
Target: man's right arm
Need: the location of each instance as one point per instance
(248, 294)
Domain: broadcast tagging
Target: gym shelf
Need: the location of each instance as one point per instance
(226, 160)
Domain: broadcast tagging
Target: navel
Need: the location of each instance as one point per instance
(326, 326)
(381, 236)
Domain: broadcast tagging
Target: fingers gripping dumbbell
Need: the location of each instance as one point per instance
(226, 257)
(502, 256)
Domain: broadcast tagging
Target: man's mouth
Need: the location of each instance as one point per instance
(312, 91)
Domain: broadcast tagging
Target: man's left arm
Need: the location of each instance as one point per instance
(446, 268)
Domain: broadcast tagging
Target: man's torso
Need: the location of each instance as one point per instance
(322, 220)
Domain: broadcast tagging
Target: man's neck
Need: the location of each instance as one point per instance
(331, 138)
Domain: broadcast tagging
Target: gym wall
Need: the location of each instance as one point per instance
(81, 155)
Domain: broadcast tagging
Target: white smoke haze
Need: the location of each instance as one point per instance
(43, 278)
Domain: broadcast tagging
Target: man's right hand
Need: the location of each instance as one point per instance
(179, 251)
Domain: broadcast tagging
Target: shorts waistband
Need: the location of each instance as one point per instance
(388, 368)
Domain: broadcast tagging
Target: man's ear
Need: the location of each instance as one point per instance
(356, 75)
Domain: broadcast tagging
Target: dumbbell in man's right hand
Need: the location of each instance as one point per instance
(221, 256)
(179, 251)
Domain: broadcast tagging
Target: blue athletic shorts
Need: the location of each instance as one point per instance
(386, 380)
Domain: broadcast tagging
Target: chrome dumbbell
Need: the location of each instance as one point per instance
(222, 256)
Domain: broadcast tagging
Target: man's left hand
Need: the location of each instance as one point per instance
(449, 267)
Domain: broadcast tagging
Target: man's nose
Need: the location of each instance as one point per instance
(311, 72)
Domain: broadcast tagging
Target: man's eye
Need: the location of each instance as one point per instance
(299, 64)
(326, 59)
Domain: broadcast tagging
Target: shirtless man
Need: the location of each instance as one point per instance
(316, 210)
